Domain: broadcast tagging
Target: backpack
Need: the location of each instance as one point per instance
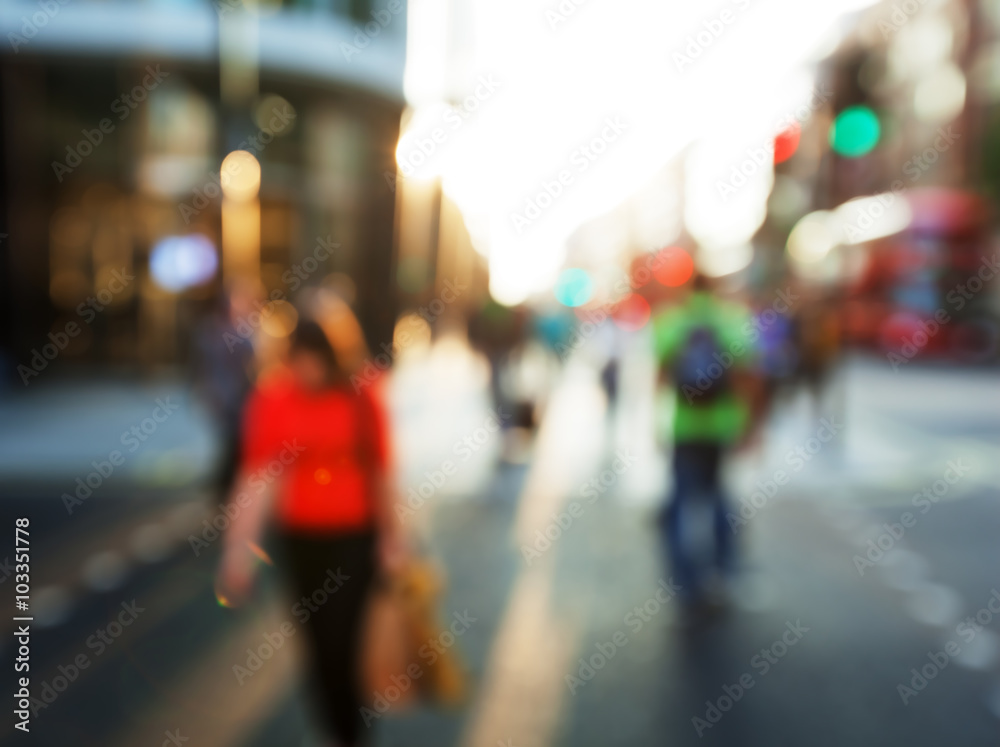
(698, 371)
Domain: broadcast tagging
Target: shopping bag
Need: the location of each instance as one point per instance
(403, 656)
(387, 651)
(420, 588)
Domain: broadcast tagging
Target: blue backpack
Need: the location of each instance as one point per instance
(699, 370)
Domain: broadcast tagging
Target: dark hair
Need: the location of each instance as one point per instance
(309, 337)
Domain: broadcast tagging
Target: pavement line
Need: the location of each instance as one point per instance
(520, 700)
(570, 444)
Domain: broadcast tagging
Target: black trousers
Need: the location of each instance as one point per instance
(332, 620)
(229, 461)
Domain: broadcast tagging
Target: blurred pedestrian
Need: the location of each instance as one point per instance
(327, 442)
(819, 345)
(704, 349)
(611, 343)
(777, 359)
(495, 331)
(224, 370)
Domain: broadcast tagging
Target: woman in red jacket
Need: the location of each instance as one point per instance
(325, 448)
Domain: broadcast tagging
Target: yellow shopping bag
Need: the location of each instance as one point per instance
(398, 658)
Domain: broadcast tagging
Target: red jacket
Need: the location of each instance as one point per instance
(324, 449)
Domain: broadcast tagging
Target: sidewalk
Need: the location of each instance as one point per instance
(53, 432)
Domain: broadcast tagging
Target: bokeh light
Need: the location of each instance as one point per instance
(274, 114)
(632, 313)
(787, 142)
(873, 217)
(240, 175)
(855, 132)
(574, 288)
(718, 261)
(281, 320)
(412, 334)
(814, 237)
(676, 267)
(180, 262)
(940, 97)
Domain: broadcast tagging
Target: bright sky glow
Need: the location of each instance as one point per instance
(584, 108)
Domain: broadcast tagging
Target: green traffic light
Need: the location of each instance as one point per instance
(855, 132)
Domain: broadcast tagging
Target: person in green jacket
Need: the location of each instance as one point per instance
(705, 349)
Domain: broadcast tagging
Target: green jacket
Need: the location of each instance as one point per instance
(725, 418)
